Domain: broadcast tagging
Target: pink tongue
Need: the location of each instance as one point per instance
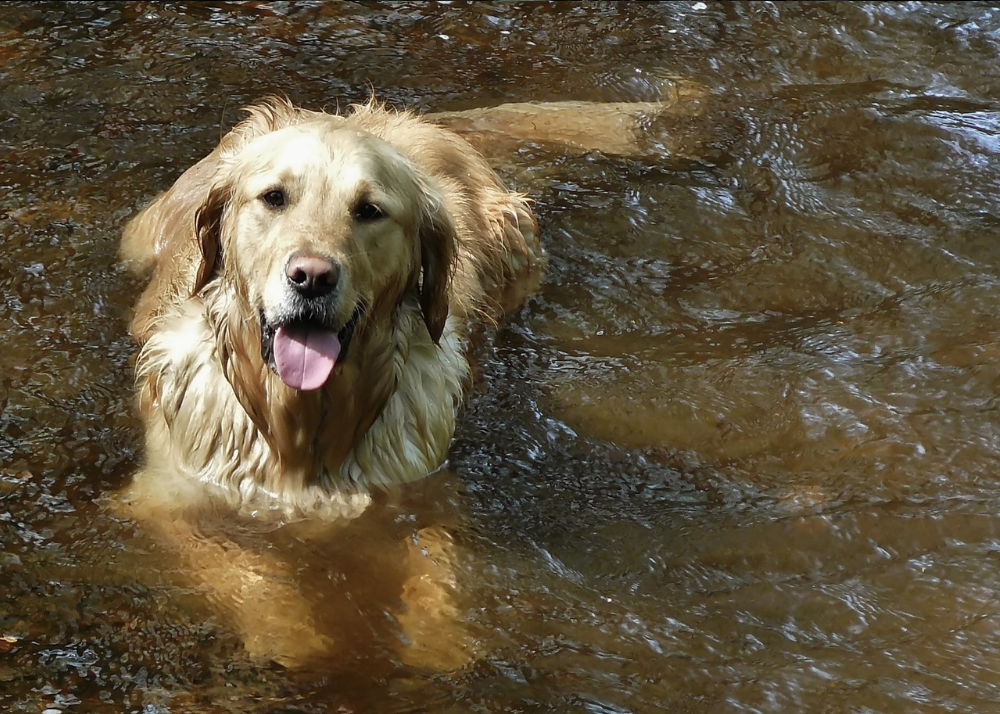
(305, 355)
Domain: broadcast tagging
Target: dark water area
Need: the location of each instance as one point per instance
(740, 453)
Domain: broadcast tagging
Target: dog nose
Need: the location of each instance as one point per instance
(312, 275)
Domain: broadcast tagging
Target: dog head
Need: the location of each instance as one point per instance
(318, 227)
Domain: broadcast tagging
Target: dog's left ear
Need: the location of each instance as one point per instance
(438, 250)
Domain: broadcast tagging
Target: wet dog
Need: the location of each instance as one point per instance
(303, 335)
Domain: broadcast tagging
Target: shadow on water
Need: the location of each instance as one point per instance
(738, 454)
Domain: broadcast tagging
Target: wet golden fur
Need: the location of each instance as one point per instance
(214, 412)
(223, 429)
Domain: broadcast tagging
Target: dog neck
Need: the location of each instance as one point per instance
(386, 415)
(218, 414)
(309, 433)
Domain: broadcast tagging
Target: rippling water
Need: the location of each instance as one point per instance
(738, 454)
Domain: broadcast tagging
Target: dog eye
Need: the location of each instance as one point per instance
(274, 198)
(367, 211)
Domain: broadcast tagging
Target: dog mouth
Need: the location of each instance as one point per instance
(302, 351)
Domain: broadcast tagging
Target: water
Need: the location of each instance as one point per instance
(738, 454)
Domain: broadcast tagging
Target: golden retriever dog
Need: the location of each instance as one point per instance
(303, 342)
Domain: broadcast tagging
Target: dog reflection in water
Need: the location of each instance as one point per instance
(302, 346)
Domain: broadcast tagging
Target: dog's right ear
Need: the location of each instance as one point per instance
(208, 234)
(176, 238)
(158, 236)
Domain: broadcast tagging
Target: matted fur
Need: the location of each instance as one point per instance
(217, 415)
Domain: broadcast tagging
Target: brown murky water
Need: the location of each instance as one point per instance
(740, 453)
